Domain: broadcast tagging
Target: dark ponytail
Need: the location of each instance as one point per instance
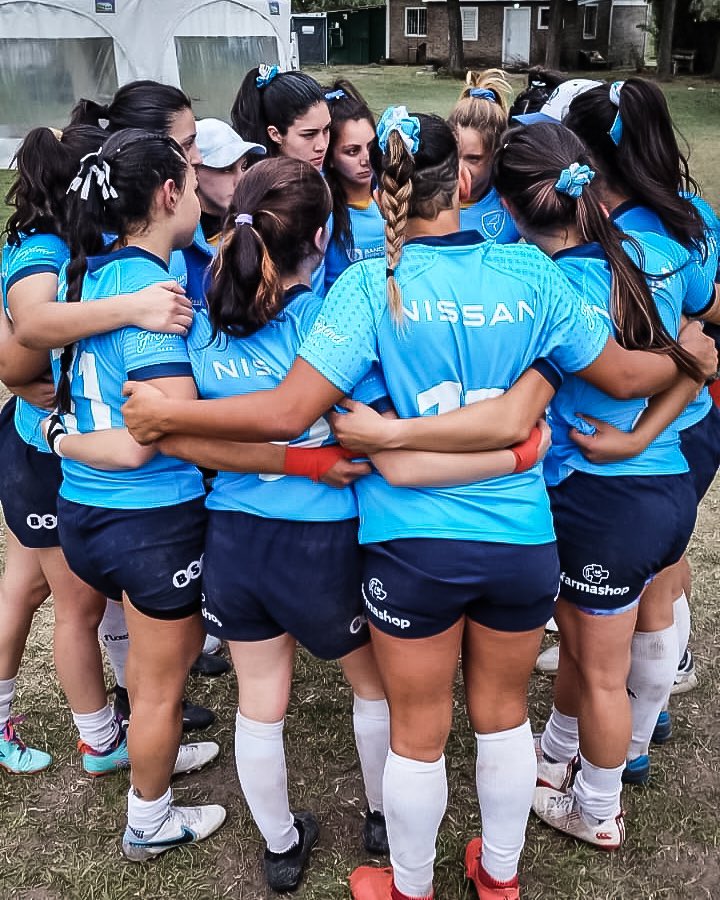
(646, 162)
(283, 98)
(113, 192)
(527, 169)
(148, 105)
(346, 105)
(279, 206)
(46, 162)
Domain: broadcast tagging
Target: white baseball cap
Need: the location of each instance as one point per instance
(558, 103)
(220, 145)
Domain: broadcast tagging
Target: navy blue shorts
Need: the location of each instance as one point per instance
(29, 485)
(700, 444)
(265, 577)
(420, 587)
(155, 556)
(615, 533)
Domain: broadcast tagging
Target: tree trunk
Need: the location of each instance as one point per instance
(716, 63)
(456, 51)
(665, 41)
(554, 35)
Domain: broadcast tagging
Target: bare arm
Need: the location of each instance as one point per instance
(276, 415)
(485, 425)
(609, 444)
(226, 456)
(19, 366)
(418, 468)
(43, 324)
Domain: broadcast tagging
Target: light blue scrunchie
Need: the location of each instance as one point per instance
(483, 94)
(265, 75)
(397, 118)
(573, 179)
(616, 129)
(335, 95)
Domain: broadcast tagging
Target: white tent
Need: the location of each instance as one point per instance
(52, 52)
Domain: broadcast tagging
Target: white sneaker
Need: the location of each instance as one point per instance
(548, 660)
(558, 776)
(194, 756)
(212, 645)
(685, 677)
(184, 825)
(562, 811)
(551, 625)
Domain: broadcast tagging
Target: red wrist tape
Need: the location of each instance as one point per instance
(526, 452)
(313, 462)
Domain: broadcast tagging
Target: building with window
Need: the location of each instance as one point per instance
(594, 32)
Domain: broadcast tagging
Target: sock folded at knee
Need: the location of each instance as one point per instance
(681, 617)
(505, 774)
(113, 635)
(7, 694)
(560, 739)
(260, 761)
(598, 791)
(99, 730)
(371, 723)
(146, 817)
(415, 798)
(652, 672)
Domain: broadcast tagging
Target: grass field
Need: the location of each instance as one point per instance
(61, 830)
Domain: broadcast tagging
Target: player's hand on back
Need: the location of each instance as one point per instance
(344, 472)
(161, 307)
(701, 346)
(361, 428)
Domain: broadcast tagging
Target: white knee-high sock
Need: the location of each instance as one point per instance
(652, 672)
(371, 722)
(98, 730)
(7, 693)
(560, 740)
(113, 635)
(260, 761)
(505, 775)
(681, 617)
(415, 798)
(598, 791)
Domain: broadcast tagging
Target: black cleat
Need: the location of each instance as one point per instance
(375, 834)
(195, 718)
(284, 871)
(209, 665)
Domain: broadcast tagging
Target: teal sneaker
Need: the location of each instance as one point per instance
(15, 756)
(110, 761)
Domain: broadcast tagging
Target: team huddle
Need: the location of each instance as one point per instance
(452, 385)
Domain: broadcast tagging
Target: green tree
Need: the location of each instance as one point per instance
(666, 16)
(456, 51)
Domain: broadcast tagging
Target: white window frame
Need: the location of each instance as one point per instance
(416, 9)
(587, 36)
(541, 10)
(469, 33)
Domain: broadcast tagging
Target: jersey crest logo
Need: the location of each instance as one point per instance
(493, 222)
(595, 574)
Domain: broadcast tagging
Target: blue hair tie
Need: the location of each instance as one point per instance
(572, 180)
(335, 95)
(616, 128)
(265, 75)
(483, 94)
(397, 118)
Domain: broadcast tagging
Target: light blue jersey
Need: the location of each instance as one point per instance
(198, 258)
(490, 218)
(476, 316)
(233, 366)
(100, 366)
(35, 254)
(587, 269)
(368, 232)
(636, 218)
